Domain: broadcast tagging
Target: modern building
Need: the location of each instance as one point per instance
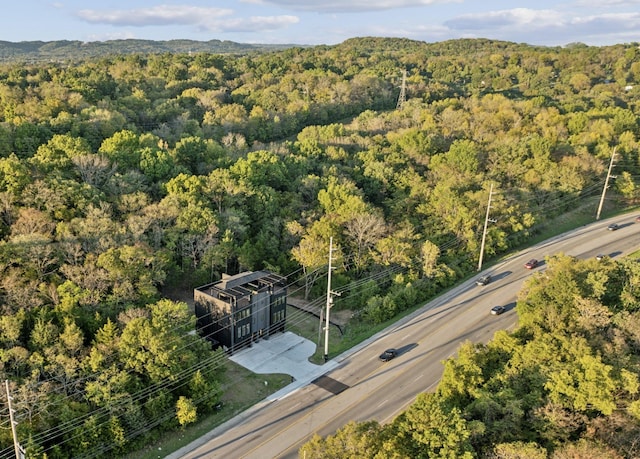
(238, 310)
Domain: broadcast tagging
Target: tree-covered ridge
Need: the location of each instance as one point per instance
(74, 50)
(564, 384)
(125, 175)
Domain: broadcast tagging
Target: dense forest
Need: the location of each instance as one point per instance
(125, 176)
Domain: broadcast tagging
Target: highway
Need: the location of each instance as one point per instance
(363, 388)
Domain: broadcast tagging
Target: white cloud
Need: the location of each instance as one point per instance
(158, 15)
(335, 6)
(546, 26)
(605, 4)
(517, 17)
(207, 19)
(604, 24)
(252, 24)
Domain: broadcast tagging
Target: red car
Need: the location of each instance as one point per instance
(531, 263)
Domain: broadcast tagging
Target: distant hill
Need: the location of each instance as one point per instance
(65, 50)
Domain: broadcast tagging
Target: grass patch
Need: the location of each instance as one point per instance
(635, 254)
(581, 216)
(308, 326)
(305, 324)
(566, 222)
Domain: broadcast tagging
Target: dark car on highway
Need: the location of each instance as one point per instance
(613, 227)
(484, 280)
(531, 263)
(388, 355)
(497, 310)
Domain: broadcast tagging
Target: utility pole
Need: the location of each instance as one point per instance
(403, 91)
(606, 184)
(16, 445)
(484, 232)
(329, 302)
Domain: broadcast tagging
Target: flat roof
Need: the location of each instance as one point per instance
(243, 284)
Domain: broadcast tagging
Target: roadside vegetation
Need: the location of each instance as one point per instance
(564, 384)
(128, 177)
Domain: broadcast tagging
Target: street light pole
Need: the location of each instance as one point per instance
(329, 301)
(606, 184)
(16, 445)
(484, 232)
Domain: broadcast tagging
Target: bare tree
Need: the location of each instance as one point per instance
(364, 230)
(95, 170)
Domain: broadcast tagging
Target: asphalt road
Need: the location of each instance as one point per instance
(362, 387)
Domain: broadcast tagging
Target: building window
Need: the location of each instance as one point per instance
(279, 301)
(243, 313)
(243, 330)
(278, 316)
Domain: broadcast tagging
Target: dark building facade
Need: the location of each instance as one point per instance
(240, 309)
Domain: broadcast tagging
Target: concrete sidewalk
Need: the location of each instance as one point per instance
(285, 353)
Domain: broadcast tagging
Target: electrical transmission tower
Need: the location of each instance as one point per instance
(403, 90)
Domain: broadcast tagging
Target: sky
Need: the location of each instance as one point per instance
(329, 22)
